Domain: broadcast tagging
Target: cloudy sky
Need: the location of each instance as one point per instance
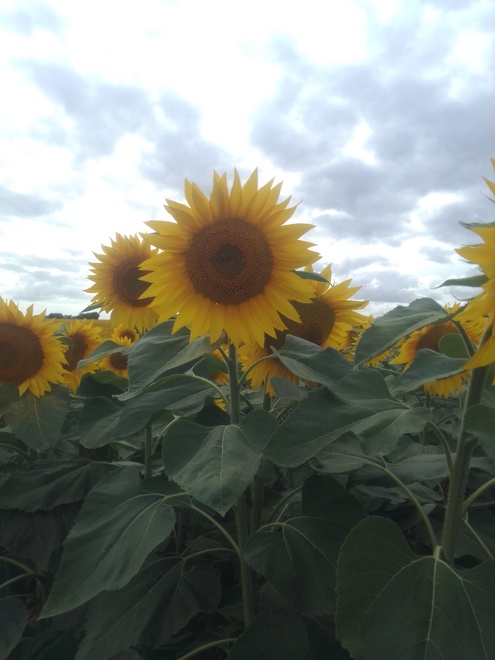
(378, 115)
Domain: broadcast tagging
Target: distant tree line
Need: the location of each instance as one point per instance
(88, 315)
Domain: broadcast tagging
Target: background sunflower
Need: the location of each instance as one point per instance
(31, 357)
(79, 339)
(325, 321)
(118, 287)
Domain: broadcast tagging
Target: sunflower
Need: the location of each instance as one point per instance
(31, 358)
(118, 286)
(430, 337)
(80, 338)
(325, 321)
(122, 331)
(117, 362)
(227, 261)
(482, 306)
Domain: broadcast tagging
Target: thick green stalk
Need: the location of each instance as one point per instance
(240, 507)
(460, 471)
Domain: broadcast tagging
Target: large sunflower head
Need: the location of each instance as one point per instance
(226, 262)
(325, 321)
(79, 338)
(31, 358)
(118, 287)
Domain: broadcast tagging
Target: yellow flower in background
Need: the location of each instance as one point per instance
(31, 358)
(118, 287)
(430, 337)
(325, 321)
(117, 362)
(227, 260)
(79, 338)
(482, 306)
(122, 331)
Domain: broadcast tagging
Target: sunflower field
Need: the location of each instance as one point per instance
(240, 462)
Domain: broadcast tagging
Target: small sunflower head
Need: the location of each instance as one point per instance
(118, 287)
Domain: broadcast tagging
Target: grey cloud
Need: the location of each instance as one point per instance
(25, 205)
(425, 138)
(179, 148)
(102, 112)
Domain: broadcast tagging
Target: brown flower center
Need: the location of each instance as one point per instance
(76, 350)
(21, 354)
(127, 284)
(229, 261)
(317, 321)
(431, 338)
(118, 361)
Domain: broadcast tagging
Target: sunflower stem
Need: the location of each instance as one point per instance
(458, 481)
(240, 506)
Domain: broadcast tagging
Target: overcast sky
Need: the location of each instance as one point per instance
(378, 115)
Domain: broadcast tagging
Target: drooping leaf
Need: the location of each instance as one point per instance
(36, 421)
(388, 329)
(160, 352)
(119, 524)
(360, 403)
(312, 363)
(278, 633)
(215, 465)
(299, 556)
(158, 602)
(473, 281)
(392, 603)
(108, 347)
(428, 366)
(49, 484)
(13, 619)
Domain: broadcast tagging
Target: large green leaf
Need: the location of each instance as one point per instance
(36, 421)
(359, 402)
(158, 602)
(215, 465)
(48, 645)
(50, 483)
(388, 329)
(13, 619)
(428, 366)
(118, 526)
(480, 421)
(160, 352)
(98, 422)
(37, 536)
(312, 363)
(278, 633)
(394, 604)
(299, 556)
